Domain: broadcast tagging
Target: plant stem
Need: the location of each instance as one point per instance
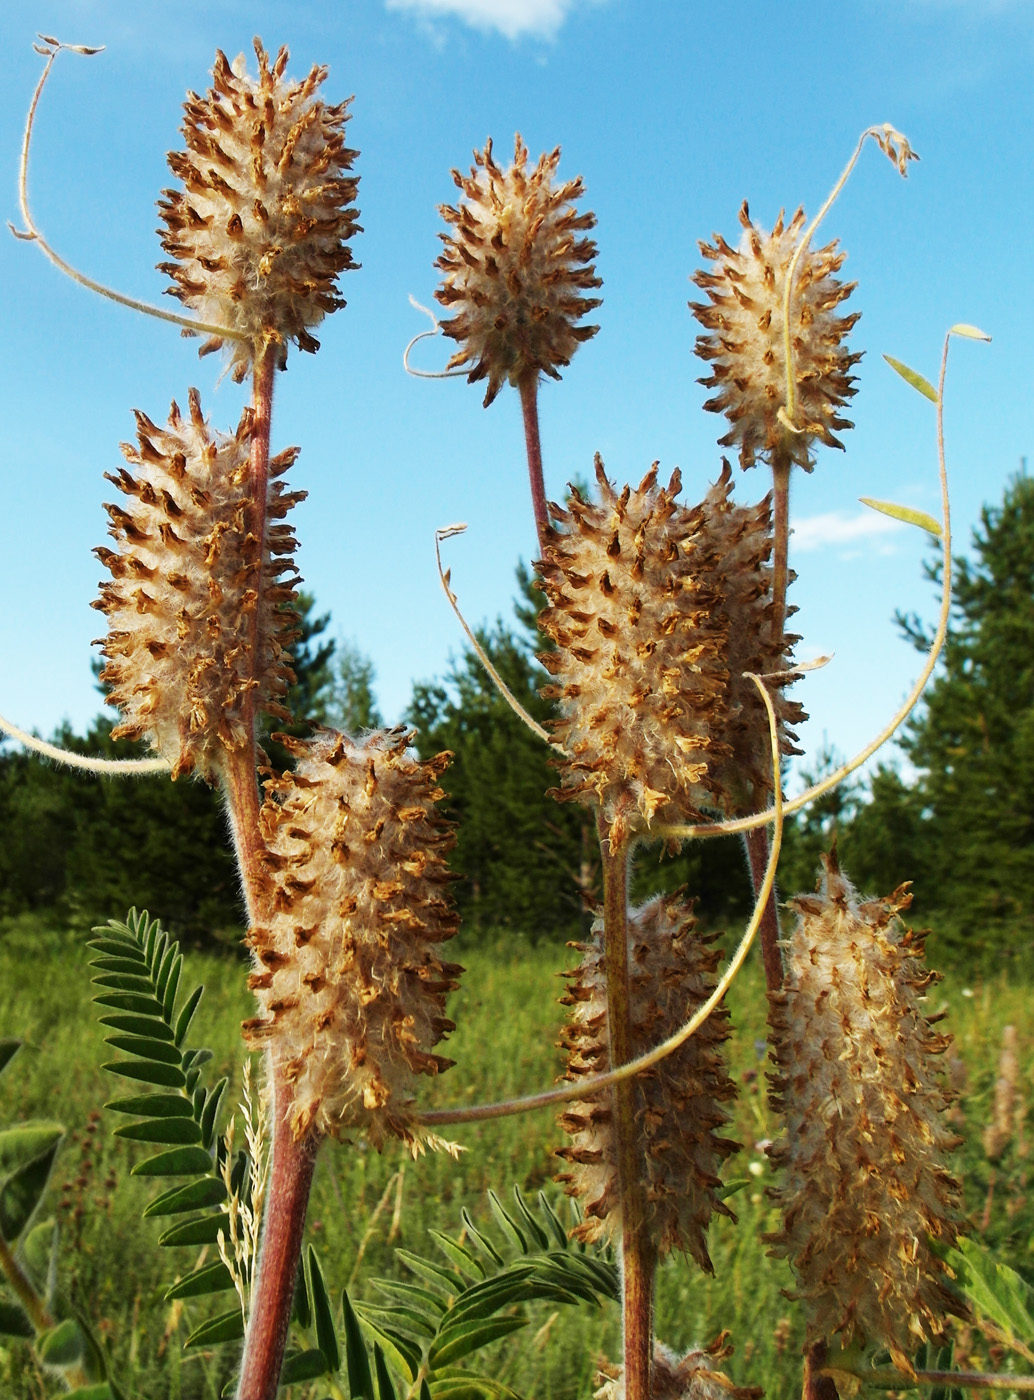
(242, 790)
(781, 465)
(756, 842)
(34, 1306)
(290, 1181)
(817, 1386)
(529, 391)
(638, 1256)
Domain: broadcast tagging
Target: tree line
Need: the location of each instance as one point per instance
(958, 821)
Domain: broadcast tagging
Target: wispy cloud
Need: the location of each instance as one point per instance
(837, 527)
(511, 18)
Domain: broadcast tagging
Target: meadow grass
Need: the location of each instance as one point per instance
(365, 1203)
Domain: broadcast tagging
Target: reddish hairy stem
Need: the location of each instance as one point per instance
(816, 1385)
(781, 540)
(529, 390)
(756, 842)
(290, 1180)
(638, 1256)
(242, 790)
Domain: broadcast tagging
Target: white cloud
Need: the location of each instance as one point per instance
(512, 18)
(836, 527)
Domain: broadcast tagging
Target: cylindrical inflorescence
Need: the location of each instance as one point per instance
(679, 1102)
(186, 575)
(517, 266)
(259, 233)
(639, 663)
(741, 544)
(348, 978)
(745, 342)
(692, 1376)
(866, 1186)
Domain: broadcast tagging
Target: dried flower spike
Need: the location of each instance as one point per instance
(186, 572)
(516, 268)
(679, 1103)
(260, 231)
(746, 341)
(348, 975)
(866, 1183)
(689, 1377)
(640, 654)
(740, 539)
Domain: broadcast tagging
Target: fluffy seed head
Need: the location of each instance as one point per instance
(348, 977)
(516, 268)
(745, 342)
(689, 1377)
(866, 1184)
(259, 233)
(191, 592)
(678, 1103)
(640, 654)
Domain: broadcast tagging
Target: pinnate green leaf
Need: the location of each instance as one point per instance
(323, 1316)
(211, 1278)
(63, 1345)
(227, 1327)
(8, 1049)
(153, 1105)
(180, 1161)
(303, 1366)
(385, 1385)
(970, 332)
(148, 1072)
(995, 1291)
(457, 1341)
(360, 1380)
(170, 1131)
(13, 1321)
(27, 1153)
(203, 1229)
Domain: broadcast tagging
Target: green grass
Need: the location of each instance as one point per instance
(365, 1203)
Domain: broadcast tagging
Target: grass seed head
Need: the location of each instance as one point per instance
(679, 1102)
(260, 231)
(866, 1186)
(516, 267)
(350, 984)
(745, 346)
(187, 576)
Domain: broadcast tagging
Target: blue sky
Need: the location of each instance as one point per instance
(673, 111)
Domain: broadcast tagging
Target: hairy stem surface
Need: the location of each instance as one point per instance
(290, 1181)
(242, 790)
(638, 1256)
(529, 389)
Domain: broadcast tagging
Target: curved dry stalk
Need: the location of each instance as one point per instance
(979, 1380)
(31, 233)
(896, 147)
(445, 533)
(589, 1084)
(124, 766)
(425, 335)
(740, 824)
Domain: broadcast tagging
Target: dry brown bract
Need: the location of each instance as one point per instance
(745, 341)
(260, 231)
(679, 1102)
(348, 975)
(866, 1184)
(689, 1377)
(187, 578)
(516, 269)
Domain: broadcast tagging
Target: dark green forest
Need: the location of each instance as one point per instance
(960, 826)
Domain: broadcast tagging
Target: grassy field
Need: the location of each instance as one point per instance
(365, 1204)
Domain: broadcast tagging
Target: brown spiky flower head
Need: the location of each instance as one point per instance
(349, 979)
(740, 538)
(867, 1189)
(259, 232)
(517, 266)
(679, 1102)
(747, 339)
(639, 660)
(199, 612)
(693, 1376)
